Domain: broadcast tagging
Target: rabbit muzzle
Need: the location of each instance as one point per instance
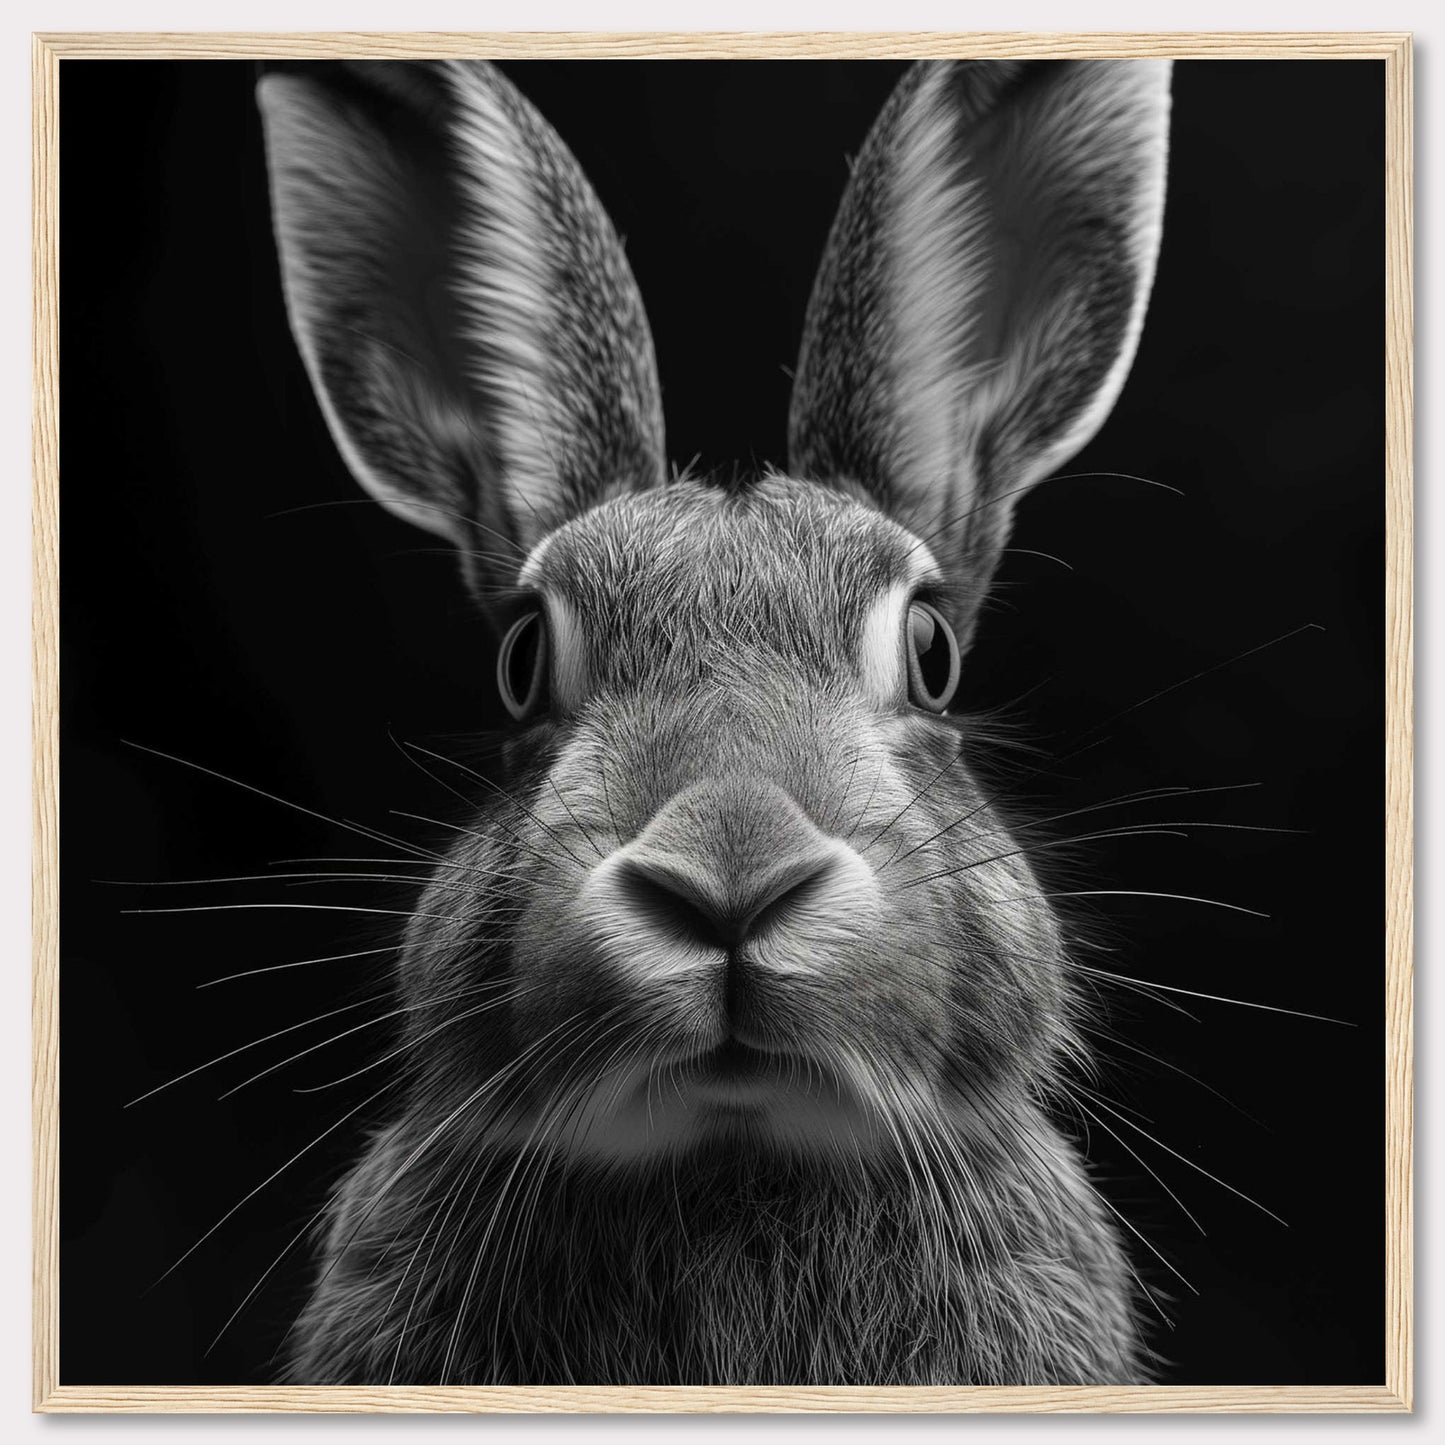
(716, 944)
(730, 907)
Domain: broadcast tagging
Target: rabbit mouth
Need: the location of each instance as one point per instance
(732, 1060)
(733, 1064)
(739, 1074)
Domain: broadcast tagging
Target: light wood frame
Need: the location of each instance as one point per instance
(1396, 1391)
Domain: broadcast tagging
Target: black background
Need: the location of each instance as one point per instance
(213, 611)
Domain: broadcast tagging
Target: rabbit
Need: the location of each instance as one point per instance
(734, 1018)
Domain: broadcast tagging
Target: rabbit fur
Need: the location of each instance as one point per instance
(732, 1027)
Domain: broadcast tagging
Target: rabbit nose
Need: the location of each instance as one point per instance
(702, 908)
(729, 867)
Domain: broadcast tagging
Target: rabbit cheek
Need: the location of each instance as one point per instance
(1007, 994)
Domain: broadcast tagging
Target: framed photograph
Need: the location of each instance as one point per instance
(722, 704)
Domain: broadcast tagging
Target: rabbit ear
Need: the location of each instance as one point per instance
(983, 288)
(462, 303)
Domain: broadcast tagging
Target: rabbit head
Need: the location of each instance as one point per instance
(743, 887)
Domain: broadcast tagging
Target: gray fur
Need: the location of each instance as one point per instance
(563, 1191)
(983, 288)
(462, 302)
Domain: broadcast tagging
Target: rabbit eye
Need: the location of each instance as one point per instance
(933, 662)
(522, 666)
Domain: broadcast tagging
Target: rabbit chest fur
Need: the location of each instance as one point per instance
(735, 1014)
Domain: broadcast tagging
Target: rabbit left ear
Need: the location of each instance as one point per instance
(983, 289)
(462, 303)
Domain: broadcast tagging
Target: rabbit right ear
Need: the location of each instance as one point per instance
(983, 290)
(461, 301)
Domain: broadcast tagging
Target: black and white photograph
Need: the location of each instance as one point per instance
(722, 722)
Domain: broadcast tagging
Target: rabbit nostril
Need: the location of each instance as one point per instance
(674, 904)
(708, 913)
(794, 894)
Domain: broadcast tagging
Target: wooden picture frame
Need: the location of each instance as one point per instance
(1393, 1393)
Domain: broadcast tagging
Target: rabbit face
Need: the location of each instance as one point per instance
(742, 884)
(748, 888)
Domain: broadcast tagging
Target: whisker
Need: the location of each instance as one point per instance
(276, 877)
(580, 826)
(1184, 1158)
(503, 793)
(1216, 998)
(1145, 795)
(1032, 848)
(480, 837)
(904, 809)
(230, 1213)
(371, 833)
(410, 755)
(256, 1043)
(1133, 893)
(1115, 1042)
(310, 907)
(1034, 552)
(300, 963)
(355, 1029)
(421, 1038)
(1195, 677)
